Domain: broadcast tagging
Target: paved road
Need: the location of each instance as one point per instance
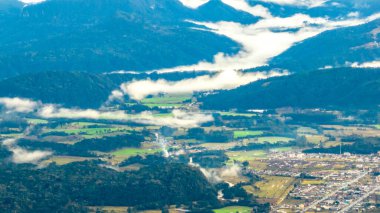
(315, 203)
(359, 200)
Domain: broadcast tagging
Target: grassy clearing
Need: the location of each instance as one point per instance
(307, 130)
(90, 131)
(166, 100)
(62, 160)
(233, 209)
(108, 209)
(247, 133)
(272, 187)
(133, 151)
(246, 155)
(315, 139)
(237, 114)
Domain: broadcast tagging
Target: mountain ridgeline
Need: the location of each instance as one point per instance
(104, 35)
(335, 88)
(74, 89)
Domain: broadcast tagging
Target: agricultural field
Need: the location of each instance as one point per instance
(312, 182)
(234, 209)
(274, 188)
(92, 132)
(61, 160)
(108, 209)
(128, 152)
(315, 139)
(237, 114)
(247, 133)
(306, 131)
(166, 101)
(246, 155)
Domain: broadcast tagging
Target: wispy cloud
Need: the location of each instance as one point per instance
(371, 64)
(32, 1)
(179, 118)
(18, 104)
(228, 79)
(193, 3)
(21, 155)
(304, 3)
(257, 10)
(265, 39)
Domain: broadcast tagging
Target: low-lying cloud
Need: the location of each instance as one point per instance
(18, 104)
(32, 1)
(21, 155)
(228, 79)
(267, 38)
(193, 3)
(257, 10)
(178, 118)
(371, 64)
(305, 3)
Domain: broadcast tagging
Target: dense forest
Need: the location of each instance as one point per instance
(75, 89)
(85, 147)
(160, 182)
(338, 88)
(360, 146)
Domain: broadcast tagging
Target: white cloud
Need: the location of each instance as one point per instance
(194, 4)
(21, 155)
(372, 64)
(228, 79)
(32, 1)
(18, 104)
(265, 39)
(178, 119)
(304, 3)
(257, 10)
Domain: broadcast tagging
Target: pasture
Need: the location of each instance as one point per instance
(246, 155)
(274, 188)
(234, 209)
(128, 152)
(246, 133)
(234, 114)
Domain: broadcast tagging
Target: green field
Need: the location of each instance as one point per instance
(234, 209)
(127, 152)
(91, 131)
(377, 126)
(237, 114)
(243, 134)
(172, 101)
(272, 187)
(166, 100)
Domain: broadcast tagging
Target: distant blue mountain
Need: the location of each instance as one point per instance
(333, 48)
(108, 35)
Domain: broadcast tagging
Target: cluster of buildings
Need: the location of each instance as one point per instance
(327, 183)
